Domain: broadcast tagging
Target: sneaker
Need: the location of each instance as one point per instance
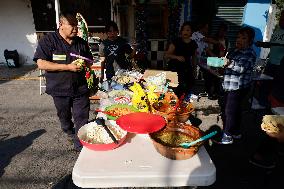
(262, 162)
(225, 139)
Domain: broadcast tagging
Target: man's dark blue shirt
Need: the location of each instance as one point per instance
(52, 47)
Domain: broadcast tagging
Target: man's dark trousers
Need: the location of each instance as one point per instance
(78, 107)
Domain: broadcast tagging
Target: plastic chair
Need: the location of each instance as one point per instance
(41, 81)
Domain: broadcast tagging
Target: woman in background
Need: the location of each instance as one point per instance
(181, 55)
(219, 50)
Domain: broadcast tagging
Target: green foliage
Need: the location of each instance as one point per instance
(280, 6)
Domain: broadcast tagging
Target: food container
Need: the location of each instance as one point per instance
(215, 61)
(169, 97)
(95, 137)
(119, 110)
(166, 141)
(183, 111)
(164, 109)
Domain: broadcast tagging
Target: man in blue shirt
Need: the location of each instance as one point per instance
(66, 83)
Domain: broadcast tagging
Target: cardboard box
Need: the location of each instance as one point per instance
(172, 76)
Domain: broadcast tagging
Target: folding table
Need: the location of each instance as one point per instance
(137, 164)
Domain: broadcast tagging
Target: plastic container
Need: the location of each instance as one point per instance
(100, 147)
(215, 62)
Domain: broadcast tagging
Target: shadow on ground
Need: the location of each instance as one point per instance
(12, 146)
(232, 161)
(23, 72)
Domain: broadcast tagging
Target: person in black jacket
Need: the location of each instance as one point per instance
(65, 81)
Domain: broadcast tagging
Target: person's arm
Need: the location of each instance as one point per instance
(211, 40)
(130, 50)
(51, 66)
(209, 52)
(169, 54)
(43, 58)
(102, 59)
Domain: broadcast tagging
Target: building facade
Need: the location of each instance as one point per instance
(148, 23)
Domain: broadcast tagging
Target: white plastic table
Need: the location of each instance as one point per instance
(137, 164)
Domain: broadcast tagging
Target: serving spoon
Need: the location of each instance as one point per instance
(101, 121)
(189, 144)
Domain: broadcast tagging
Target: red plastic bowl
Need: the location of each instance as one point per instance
(98, 147)
(141, 122)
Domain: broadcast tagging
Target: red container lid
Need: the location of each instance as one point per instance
(141, 122)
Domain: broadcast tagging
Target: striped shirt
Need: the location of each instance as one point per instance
(238, 75)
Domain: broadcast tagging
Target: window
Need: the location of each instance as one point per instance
(96, 12)
(44, 15)
(157, 21)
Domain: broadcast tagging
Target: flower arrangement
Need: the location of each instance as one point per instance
(89, 73)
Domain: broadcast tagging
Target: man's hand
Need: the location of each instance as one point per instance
(227, 62)
(73, 67)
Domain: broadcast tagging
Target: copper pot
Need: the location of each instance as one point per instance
(175, 152)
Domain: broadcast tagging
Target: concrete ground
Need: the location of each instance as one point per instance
(34, 153)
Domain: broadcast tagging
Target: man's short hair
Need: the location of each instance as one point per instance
(67, 14)
(113, 25)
